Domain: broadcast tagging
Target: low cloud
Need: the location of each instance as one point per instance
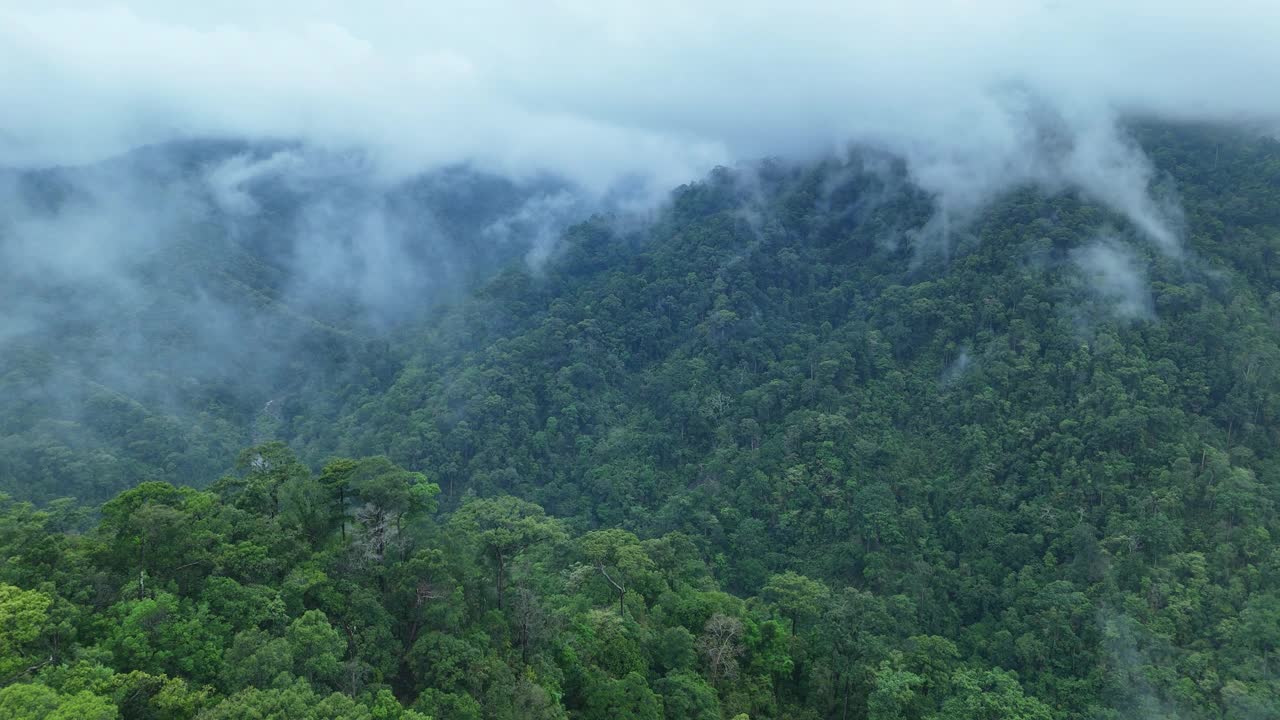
(957, 368)
(978, 96)
(1116, 278)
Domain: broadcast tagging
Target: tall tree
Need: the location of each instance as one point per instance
(503, 528)
(619, 558)
(796, 596)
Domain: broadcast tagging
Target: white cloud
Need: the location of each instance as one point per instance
(977, 95)
(1117, 278)
(228, 180)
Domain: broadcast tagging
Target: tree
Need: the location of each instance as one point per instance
(686, 696)
(503, 528)
(627, 698)
(422, 591)
(23, 614)
(255, 659)
(532, 621)
(305, 507)
(621, 551)
(336, 478)
(317, 648)
(390, 496)
(301, 702)
(447, 663)
(145, 696)
(720, 646)
(858, 633)
(37, 702)
(895, 694)
(150, 530)
(673, 649)
(263, 471)
(989, 695)
(796, 596)
(244, 606)
(164, 635)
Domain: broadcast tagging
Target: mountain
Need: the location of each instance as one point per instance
(164, 303)
(790, 447)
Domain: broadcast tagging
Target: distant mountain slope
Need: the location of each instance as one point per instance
(157, 302)
(1034, 434)
(1038, 429)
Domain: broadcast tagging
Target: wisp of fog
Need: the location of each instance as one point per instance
(978, 95)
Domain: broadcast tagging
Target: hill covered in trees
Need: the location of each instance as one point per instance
(161, 306)
(789, 448)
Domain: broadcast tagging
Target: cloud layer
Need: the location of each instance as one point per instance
(978, 95)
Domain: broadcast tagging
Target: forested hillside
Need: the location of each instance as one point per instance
(788, 448)
(161, 306)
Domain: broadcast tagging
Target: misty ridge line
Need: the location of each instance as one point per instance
(979, 98)
(332, 240)
(333, 228)
(233, 274)
(361, 168)
(165, 283)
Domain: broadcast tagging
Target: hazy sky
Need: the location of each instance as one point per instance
(976, 94)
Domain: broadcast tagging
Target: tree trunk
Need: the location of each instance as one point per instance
(501, 571)
(845, 715)
(524, 640)
(622, 590)
(142, 570)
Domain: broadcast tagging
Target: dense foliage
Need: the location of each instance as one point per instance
(789, 450)
(280, 593)
(156, 317)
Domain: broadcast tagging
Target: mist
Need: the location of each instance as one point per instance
(978, 96)
(161, 302)
(1116, 279)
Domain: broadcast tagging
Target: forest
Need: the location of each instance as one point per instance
(785, 448)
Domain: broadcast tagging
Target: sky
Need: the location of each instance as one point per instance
(977, 95)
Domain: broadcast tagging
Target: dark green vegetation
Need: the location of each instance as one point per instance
(789, 459)
(157, 316)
